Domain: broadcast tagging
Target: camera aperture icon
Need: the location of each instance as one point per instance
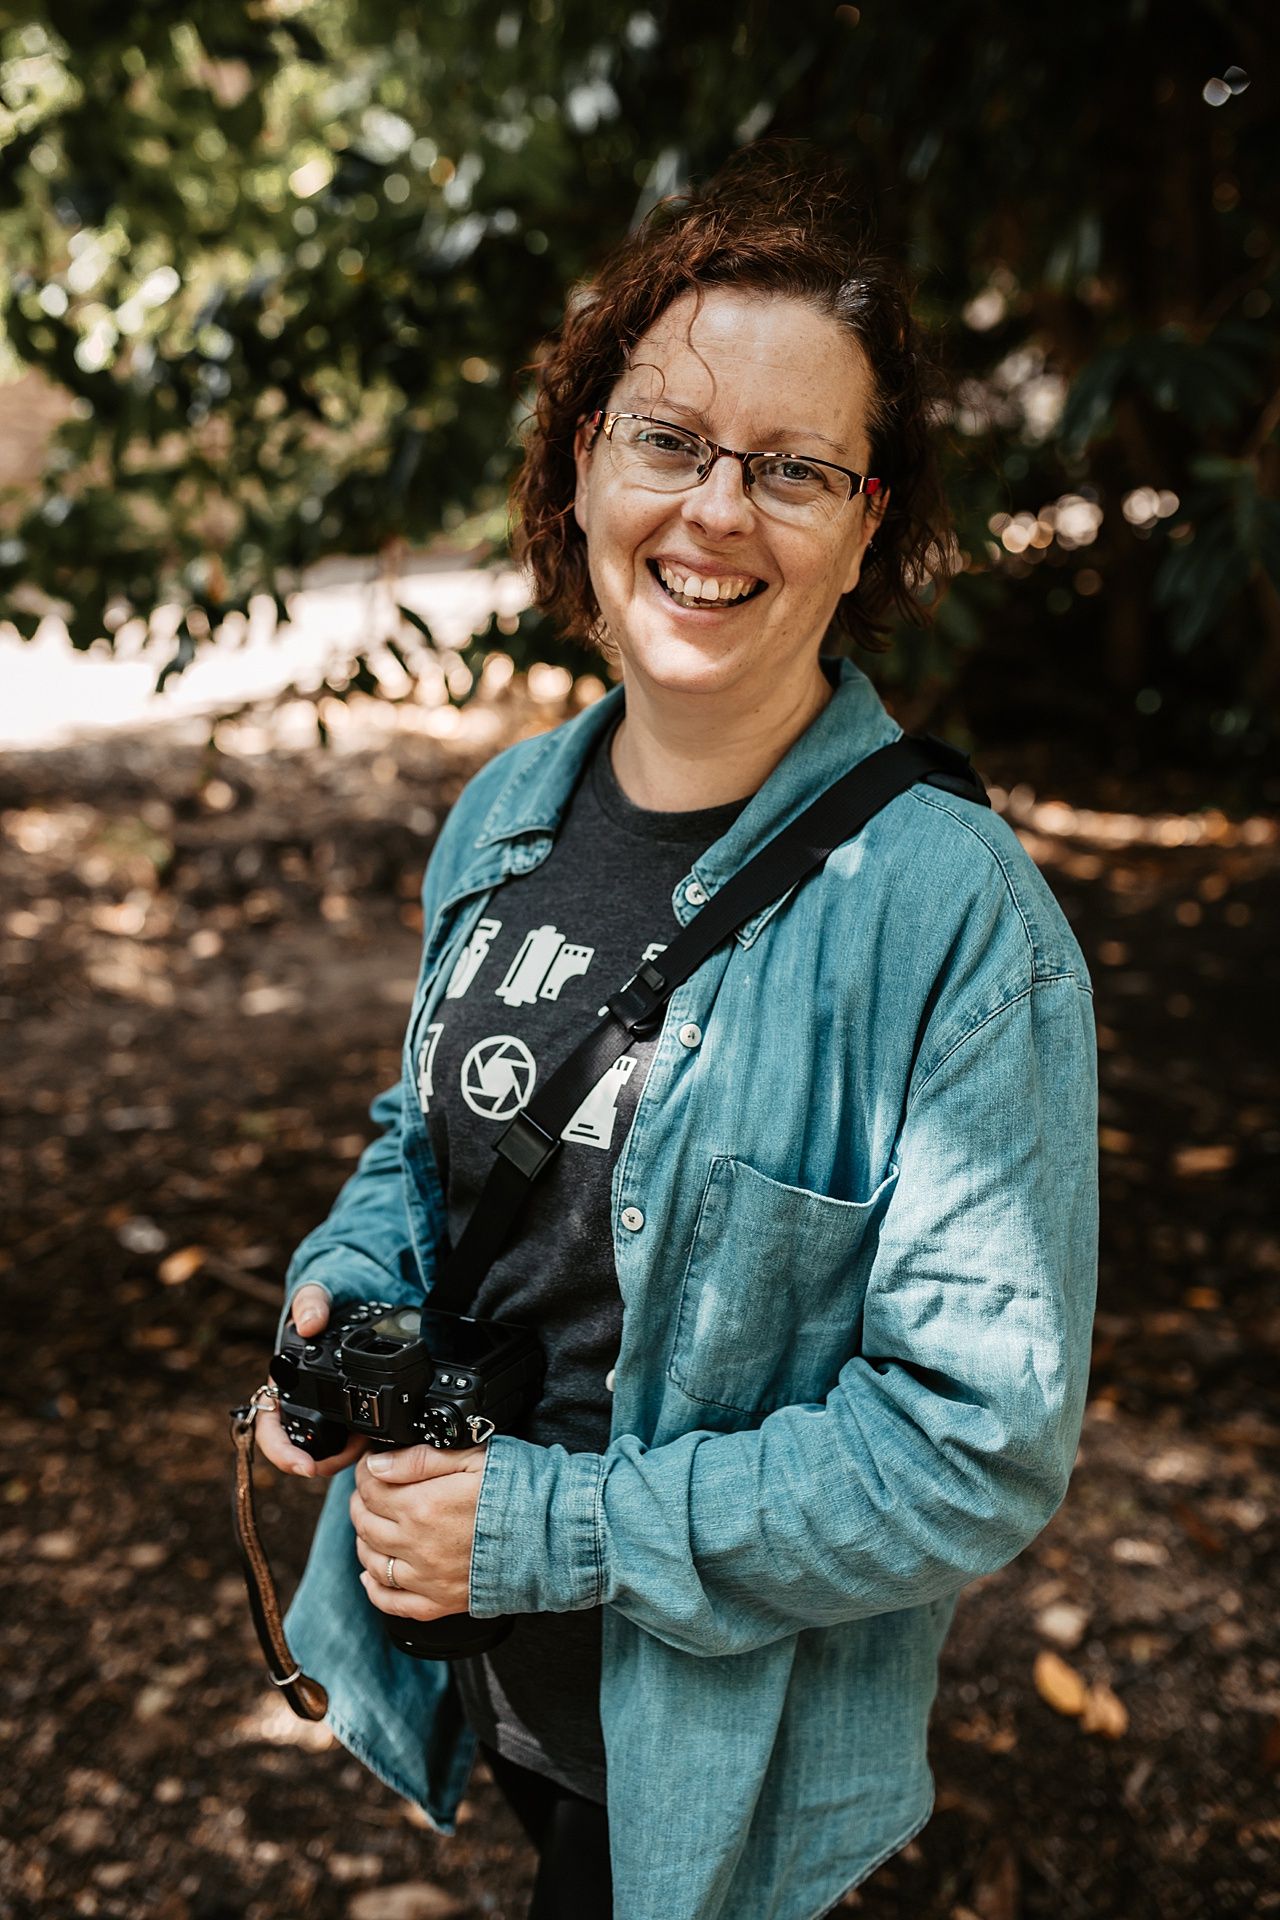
(498, 1076)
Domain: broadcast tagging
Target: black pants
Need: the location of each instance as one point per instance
(572, 1838)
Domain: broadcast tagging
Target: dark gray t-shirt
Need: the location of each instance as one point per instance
(549, 949)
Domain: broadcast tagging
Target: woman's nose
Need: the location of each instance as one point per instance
(721, 502)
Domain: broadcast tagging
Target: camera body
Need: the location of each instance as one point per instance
(402, 1377)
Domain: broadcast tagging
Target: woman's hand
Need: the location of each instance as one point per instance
(310, 1317)
(416, 1507)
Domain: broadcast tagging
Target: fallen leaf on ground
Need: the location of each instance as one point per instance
(996, 1886)
(1104, 1713)
(1058, 1684)
(411, 1900)
(1063, 1623)
(180, 1265)
(1193, 1160)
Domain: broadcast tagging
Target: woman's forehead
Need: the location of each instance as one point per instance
(768, 362)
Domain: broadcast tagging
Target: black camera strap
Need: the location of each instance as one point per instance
(526, 1147)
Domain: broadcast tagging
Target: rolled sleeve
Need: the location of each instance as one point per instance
(539, 1537)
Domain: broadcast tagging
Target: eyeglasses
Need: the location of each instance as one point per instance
(665, 458)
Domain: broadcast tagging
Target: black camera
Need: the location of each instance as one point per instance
(402, 1376)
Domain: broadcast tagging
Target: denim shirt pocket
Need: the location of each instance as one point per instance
(771, 1302)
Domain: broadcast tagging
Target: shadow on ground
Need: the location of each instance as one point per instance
(206, 964)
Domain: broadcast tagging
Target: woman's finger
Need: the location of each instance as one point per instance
(276, 1446)
(376, 1564)
(406, 1606)
(382, 1536)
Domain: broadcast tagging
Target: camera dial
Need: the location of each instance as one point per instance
(440, 1426)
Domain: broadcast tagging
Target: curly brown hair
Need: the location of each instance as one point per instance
(779, 220)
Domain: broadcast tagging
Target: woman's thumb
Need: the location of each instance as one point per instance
(310, 1309)
(401, 1465)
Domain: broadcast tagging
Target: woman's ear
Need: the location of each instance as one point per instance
(583, 441)
(874, 506)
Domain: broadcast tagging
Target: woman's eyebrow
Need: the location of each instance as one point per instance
(771, 440)
(784, 437)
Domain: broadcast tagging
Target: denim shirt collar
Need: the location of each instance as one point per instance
(851, 725)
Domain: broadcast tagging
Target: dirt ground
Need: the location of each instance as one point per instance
(204, 966)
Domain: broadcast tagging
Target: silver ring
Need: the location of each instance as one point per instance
(391, 1573)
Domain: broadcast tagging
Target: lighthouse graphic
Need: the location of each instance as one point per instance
(470, 959)
(545, 963)
(592, 1125)
(426, 1060)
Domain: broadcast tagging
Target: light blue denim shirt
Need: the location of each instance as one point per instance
(855, 1224)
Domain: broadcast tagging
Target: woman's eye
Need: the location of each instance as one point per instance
(663, 441)
(797, 473)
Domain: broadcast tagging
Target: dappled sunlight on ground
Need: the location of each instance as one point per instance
(206, 953)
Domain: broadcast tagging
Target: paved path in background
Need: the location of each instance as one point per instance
(50, 695)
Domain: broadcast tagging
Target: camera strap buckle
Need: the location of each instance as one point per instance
(638, 1005)
(526, 1145)
(259, 1400)
(480, 1428)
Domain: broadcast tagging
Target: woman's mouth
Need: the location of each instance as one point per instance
(690, 589)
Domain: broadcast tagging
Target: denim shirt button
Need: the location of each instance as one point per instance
(691, 1035)
(632, 1219)
(696, 894)
(610, 1380)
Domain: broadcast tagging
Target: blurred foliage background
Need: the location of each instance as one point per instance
(287, 261)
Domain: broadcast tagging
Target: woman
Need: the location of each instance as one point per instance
(814, 1268)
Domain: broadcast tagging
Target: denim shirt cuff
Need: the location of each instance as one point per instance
(539, 1537)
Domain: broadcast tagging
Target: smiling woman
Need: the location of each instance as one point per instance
(812, 1261)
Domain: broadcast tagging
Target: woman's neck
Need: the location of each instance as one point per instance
(677, 755)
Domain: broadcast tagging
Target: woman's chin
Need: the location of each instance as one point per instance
(685, 658)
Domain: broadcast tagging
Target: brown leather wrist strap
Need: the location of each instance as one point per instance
(306, 1696)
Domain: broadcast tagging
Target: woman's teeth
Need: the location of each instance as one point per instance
(691, 590)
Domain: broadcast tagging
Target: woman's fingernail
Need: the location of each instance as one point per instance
(379, 1463)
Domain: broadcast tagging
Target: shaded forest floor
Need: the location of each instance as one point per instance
(205, 965)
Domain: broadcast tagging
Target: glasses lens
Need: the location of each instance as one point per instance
(655, 454)
(794, 489)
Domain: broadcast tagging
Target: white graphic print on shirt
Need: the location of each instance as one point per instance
(498, 1076)
(592, 1125)
(468, 963)
(426, 1054)
(546, 960)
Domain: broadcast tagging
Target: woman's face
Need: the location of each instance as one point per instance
(753, 371)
